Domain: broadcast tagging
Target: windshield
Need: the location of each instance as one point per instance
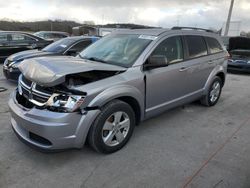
(117, 49)
(59, 46)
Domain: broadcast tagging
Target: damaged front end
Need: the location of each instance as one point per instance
(59, 98)
(54, 95)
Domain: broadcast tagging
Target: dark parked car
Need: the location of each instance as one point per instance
(51, 35)
(239, 50)
(12, 42)
(68, 46)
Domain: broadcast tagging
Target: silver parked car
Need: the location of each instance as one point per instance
(119, 81)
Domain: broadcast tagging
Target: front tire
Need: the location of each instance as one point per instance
(113, 127)
(213, 94)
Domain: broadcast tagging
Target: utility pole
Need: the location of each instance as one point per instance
(229, 18)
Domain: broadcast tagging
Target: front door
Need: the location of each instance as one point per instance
(165, 86)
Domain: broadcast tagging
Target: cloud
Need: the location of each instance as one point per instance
(164, 13)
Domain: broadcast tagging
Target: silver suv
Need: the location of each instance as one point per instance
(117, 82)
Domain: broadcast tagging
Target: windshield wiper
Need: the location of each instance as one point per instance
(100, 60)
(95, 59)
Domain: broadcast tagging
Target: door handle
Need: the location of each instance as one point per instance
(183, 69)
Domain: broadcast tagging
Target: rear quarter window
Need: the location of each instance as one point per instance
(213, 45)
(196, 46)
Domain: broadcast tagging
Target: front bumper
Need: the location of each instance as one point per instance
(11, 74)
(49, 130)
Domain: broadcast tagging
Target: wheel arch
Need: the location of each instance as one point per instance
(222, 76)
(217, 71)
(135, 106)
(128, 94)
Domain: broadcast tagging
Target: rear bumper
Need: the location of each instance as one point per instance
(50, 130)
(238, 68)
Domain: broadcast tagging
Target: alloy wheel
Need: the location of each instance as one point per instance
(215, 91)
(115, 128)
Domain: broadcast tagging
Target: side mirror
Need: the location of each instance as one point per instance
(156, 61)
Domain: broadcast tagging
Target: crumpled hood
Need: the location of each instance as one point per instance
(51, 71)
(28, 54)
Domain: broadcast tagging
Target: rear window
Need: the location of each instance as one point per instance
(213, 45)
(196, 46)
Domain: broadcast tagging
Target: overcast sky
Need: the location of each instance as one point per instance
(163, 13)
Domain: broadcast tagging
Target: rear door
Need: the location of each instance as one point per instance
(196, 68)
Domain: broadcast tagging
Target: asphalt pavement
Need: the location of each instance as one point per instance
(189, 146)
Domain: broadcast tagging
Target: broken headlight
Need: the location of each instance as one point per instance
(65, 103)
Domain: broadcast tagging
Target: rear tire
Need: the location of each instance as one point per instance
(213, 94)
(113, 127)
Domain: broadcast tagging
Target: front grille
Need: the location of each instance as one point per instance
(33, 92)
(26, 81)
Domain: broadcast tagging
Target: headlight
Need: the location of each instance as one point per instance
(14, 64)
(66, 103)
(5, 62)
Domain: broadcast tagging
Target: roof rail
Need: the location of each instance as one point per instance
(192, 28)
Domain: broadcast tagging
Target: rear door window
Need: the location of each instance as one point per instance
(196, 46)
(214, 45)
(17, 37)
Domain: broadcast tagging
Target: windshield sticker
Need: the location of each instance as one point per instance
(63, 45)
(148, 37)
